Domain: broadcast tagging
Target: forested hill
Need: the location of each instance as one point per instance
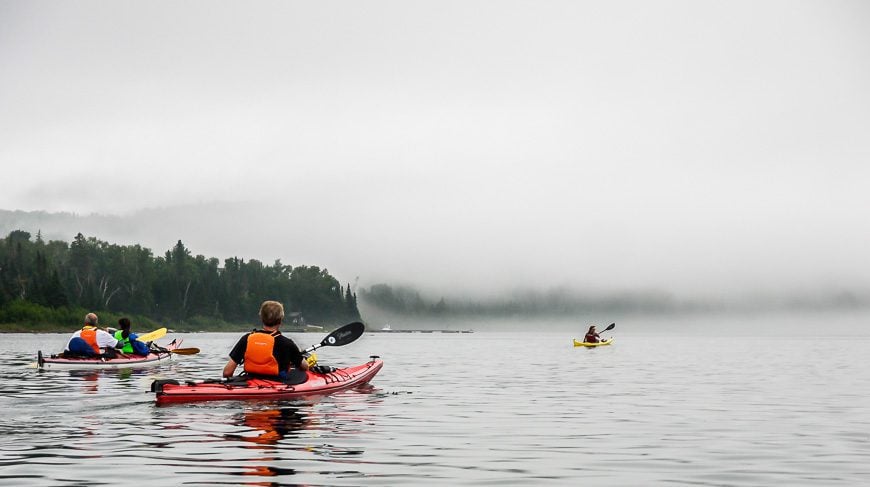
(52, 281)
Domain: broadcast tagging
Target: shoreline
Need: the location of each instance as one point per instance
(6, 328)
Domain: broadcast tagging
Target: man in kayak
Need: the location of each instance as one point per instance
(127, 339)
(592, 335)
(266, 353)
(90, 340)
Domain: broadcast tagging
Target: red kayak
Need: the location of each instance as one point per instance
(241, 388)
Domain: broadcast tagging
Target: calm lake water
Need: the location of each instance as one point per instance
(469, 409)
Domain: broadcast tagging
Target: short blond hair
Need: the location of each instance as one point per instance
(271, 313)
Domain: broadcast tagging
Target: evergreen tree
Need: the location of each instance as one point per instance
(92, 274)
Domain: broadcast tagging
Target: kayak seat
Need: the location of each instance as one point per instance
(239, 380)
(294, 377)
(68, 354)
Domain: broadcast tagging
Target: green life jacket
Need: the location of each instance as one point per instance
(128, 347)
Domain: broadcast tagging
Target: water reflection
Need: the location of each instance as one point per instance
(272, 425)
(286, 437)
(270, 471)
(90, 380)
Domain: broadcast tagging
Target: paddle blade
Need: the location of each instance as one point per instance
(185, 351)
(344, 335)
(154, 335)
(612, 326)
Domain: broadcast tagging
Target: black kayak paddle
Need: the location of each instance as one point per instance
(342, 336)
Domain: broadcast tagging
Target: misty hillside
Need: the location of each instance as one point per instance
(227, 229)
(150, 228)
(388, 303)
(59, 226)
(219, 229)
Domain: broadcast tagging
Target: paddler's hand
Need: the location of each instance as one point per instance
(311, 359)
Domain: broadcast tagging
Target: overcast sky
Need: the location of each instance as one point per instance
(687, 146)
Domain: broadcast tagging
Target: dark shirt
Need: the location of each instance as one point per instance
(285, 351)
(592, 338)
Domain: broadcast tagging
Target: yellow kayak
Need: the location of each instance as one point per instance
(588, 344)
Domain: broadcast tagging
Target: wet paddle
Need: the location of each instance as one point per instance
(173, 348)
(342, 336)
(184, 351)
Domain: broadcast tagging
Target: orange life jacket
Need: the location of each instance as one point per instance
(258, 354)
(89, 334)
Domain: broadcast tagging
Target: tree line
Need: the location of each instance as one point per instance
(90, 274)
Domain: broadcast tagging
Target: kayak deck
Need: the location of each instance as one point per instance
(602, 343)
(263, 389)
(121, 361)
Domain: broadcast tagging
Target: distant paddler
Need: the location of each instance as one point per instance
(592, 336)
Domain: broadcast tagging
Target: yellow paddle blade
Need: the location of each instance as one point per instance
(154, 335)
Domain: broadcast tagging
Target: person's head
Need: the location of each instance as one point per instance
(124, 323)
(91, 319)
(591, 329)
(271, 313)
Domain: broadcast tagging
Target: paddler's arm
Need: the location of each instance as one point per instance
(230, 368)
(297, 359)
(111, 342)
(237, 356)
(302, 365)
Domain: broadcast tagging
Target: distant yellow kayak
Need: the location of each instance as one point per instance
(588, 344)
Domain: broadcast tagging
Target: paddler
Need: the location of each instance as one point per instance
(91, 341)
(266, 353)
(592, 335)
(128, 340)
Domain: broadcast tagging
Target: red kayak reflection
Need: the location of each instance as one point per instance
(274, 424)
(90, 379)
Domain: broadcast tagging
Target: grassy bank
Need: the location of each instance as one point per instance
(139, 326)
(21, 316)
(26, 317)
